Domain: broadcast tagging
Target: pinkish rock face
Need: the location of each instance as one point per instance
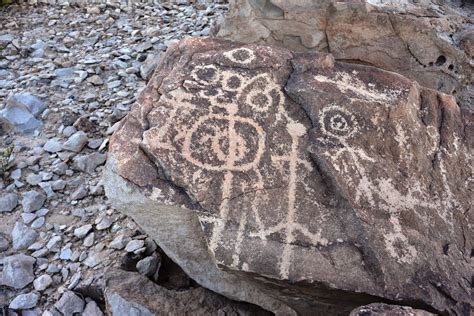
(302, 170)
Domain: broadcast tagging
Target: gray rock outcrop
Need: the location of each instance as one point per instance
(427, 41)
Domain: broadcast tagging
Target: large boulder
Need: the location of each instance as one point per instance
(427, 41)
(298, 183)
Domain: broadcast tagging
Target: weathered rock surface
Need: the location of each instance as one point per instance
(427, 41)
(22, 111)
(380, 309)
(316, 184)
(17, 271)
(129, 293)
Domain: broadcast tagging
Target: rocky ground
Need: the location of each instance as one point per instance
(73, 73)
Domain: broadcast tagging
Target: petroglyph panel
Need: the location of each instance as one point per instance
(300, 169)
(234, 141)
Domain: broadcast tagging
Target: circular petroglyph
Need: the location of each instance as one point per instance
(263, 95)
(337, 122)
(240, 55)
(232, 81)
(205, 74)
(220, 142)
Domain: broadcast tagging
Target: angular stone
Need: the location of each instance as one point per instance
(25, 301)
(79, 193)
(32, 201)
(22, 111)
(70, 303)
(119, 242)
(8, 202)
(133, 245)
(53, 145)
(23, 236)
(88, 163)
(148, 265)
(37, 223)
(41, 283)
(92, 310)
(17, 271)
(82, 231)
(76, 142)
(320, 177)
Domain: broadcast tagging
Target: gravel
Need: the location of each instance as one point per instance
(67, 77)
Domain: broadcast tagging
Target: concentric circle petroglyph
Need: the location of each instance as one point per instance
(335, 121)
(217, 143)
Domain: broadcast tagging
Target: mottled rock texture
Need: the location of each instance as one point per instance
(427, 41)
(380, 309)
(318, 184)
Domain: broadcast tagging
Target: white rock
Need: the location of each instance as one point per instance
(41, 283)
(82, 231)
(53, 145)
(24, 301)
(76, 142)
(134, 245)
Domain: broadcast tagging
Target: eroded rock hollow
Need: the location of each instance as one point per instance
(298, 183)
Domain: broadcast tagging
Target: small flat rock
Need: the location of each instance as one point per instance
(148, 265)
(8, 202)
(34, 179)
(41, 283)
(76, 142)
(28, 217)
(134, 245)
(88, 163)
(92, 309)
(79, 193)
(23, 236)
(95, 80)
(25, 301)
(17, 271)
(39, 222)
(93, 259)
(54, 242)
(65, 254)
(70, 303)
(114, 84)
(82, 231)
(32, 201)
(89, 240)
(119, 242)
(53, 145)
(105, 223)
(22, 111)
